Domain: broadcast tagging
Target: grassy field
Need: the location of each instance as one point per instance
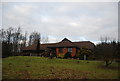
(28, 67)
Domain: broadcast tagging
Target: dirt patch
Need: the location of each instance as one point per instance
(109, 67)
(23, 74)
(67, 74)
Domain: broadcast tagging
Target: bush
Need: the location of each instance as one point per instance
(76, 55)
(67, 55)
(6, 49)
(60, 56)
(81, 56)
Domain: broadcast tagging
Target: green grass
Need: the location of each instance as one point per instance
(28, 67)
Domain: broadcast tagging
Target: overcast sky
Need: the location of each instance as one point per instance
(78, 21)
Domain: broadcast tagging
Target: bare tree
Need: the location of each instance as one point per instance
(44, 39)
(106, 50)
(16, 39)
(24, 39)
(33, 38)
(9, 34)
(104, 39)
(10, 39)
(2, 35)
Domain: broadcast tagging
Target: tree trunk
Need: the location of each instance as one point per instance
(108, 63)
(38, 47)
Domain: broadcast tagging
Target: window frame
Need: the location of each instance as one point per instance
(69, 49)
(60, 50)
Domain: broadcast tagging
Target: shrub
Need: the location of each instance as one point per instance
(76, 55)
(67, 55)
(60, 55)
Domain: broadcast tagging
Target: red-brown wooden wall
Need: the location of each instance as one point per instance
(65, 50)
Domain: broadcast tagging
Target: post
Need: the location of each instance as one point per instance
(84, 57)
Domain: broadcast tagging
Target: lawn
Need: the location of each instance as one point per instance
(31, 67)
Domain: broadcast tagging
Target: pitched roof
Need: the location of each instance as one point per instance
(86, 44)
(31, 47)
(64, 43)
(42, 46)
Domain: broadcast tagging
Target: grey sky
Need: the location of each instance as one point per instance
(77, 21)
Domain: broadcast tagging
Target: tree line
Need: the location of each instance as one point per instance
(13, 39)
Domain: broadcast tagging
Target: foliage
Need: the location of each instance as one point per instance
(117, 54)
(60, 55)
(52, 54)
(34, 37)
(77, 55)
(67, 55)
(107, 51)
(6, 49)
(38, 47)
(85, 51)
(11, 41)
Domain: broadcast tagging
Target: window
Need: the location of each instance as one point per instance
(60, 50)
(69, 49)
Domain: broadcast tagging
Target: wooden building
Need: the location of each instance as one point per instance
(60, 48)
